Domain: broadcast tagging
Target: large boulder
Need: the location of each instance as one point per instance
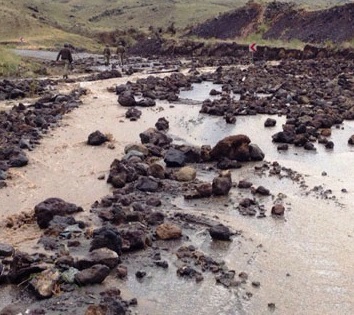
(47, 209)
(127, 99)
(234, 147)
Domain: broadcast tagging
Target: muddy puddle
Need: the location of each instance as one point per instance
(303, 262)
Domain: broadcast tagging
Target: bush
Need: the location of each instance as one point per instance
(9, 63)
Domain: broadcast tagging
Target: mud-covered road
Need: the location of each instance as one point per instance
(300, 264)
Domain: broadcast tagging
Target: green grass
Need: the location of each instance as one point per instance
(9, 63)
(57, 21)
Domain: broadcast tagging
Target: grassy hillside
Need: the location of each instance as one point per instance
(40, 18)
(49, 23)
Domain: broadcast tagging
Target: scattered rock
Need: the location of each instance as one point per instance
(168, 231)
(96, 138)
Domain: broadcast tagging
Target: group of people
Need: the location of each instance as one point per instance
(66, 56)
(120, 54)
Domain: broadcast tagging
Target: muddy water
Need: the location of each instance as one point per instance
(304, 262)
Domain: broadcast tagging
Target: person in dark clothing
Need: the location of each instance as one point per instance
(65, 55)
(106, 55)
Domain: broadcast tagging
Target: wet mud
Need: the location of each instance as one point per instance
(297, 264)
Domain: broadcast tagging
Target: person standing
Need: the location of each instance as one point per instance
(106, 55)
(65, 55)
(120, 53)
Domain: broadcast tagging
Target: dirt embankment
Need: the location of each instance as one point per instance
(283, 21)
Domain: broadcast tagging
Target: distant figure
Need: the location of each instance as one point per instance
(66, 56)
(106, 55)
(120, 53)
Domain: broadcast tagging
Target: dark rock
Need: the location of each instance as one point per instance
(204, 190)
(133, 114)
(126, 98)
(18, 160)
(95, 274)
(155, 137)
(220, 232)
(155, 218)
(222, 184)
(278, 210)
(243, 184)
(16, 93)
(351, 140)
(329, 145)
(262, 191)
(226, 164)
(122, 271)
(309, 146)
(256, 154)
(140, 274)
(3, 175)
(174, 158)
(189, 272)
(47, 209)
(23, 266)
(162, 263)
(146, 102)
(121, 88)
(270, 122)
(96, 138)
(113, 306)
(162, 124)
(230, 119)
(107, 237)
(283, 147)
(232, 147)
(153, 201)
(227, 278)
(283, 137)
(121, 172)
(101, 256)
(6, 250)
(149, 184)
(133, 239)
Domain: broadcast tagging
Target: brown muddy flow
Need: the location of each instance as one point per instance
(303, 262)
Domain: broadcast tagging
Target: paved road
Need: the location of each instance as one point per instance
(49, 55)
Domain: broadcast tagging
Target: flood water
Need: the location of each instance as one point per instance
(303, 263)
